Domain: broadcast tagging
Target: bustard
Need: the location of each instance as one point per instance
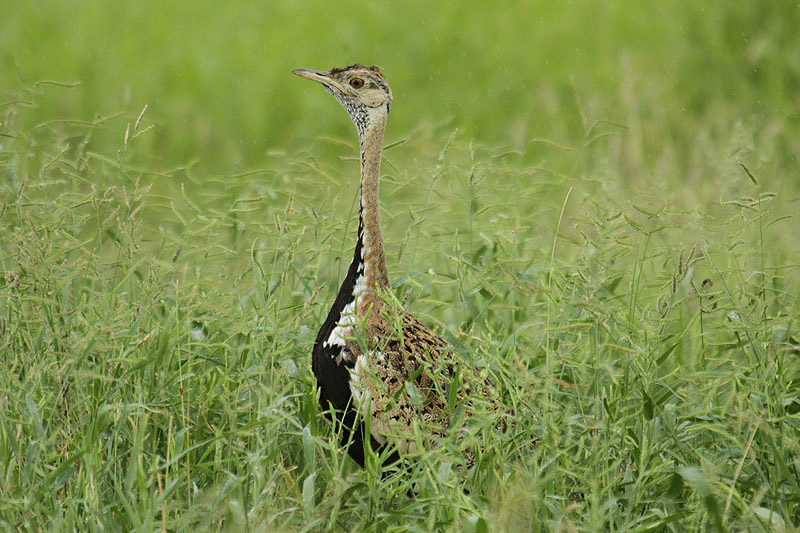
(366, 350)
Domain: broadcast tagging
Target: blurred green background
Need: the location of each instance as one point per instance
(594, 199)
(216, 76)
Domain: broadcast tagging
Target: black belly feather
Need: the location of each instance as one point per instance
(333, 372)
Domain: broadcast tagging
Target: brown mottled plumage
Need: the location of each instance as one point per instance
(407, 350)
(370, 356)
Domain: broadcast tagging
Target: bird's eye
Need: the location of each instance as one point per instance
(356, 83)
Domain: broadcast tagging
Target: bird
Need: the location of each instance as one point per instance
(369, 348)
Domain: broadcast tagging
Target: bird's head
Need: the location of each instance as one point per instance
(362, 91)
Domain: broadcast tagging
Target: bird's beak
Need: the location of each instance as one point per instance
(316, 75)
(322, 77)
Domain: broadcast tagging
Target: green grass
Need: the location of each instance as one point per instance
(595, 207)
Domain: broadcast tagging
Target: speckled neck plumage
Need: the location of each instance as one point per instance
(372, 252)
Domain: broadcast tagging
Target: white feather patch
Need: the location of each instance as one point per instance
(348, 317)
(344, 328)
(359, 388)
(361, 284)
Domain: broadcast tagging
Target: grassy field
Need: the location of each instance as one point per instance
(595, 205)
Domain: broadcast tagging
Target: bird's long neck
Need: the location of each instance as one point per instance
(372, 253)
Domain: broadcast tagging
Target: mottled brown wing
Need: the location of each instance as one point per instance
(402, 351)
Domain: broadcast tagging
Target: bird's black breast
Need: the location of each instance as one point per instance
(333, 371)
